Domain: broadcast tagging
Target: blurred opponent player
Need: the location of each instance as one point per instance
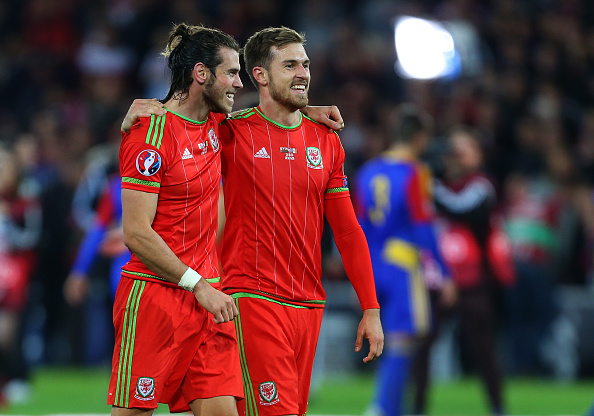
(104, 237)
(395, 211)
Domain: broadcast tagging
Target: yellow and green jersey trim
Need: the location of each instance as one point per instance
(242, 114)
(155, 131)
(186, 118)
(336, 190)
(278, 124)
(141, 182)
(144, 275)
(161, 279)
(280, 301)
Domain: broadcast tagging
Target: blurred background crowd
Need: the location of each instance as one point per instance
(69, 70)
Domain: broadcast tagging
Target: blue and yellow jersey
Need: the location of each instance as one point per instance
(395, 209)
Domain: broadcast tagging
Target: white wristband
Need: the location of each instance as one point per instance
(189, 279)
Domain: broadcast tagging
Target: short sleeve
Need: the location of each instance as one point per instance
(142, 161)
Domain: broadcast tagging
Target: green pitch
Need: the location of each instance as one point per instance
(64, 391)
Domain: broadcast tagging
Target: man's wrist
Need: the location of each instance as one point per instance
(189, 279)
(372, 311)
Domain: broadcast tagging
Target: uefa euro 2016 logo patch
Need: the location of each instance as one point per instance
(148, 162)
(145, 388)
(268, 393)
(314, 158)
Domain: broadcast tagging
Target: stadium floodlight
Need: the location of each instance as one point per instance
(425, 49)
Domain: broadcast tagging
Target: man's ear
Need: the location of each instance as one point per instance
(200, 73)
(260, 75)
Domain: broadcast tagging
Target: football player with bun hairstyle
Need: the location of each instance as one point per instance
(169, 349)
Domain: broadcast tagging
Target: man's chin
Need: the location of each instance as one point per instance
(303, 102)
(298, 104)
(220, 109)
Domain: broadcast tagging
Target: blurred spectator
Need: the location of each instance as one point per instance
(20, 229)
(473, 247)
(532, 209)
(104, 238)
(153, 69)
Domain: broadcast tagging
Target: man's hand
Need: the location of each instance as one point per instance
(216, 302)
(448, 295)
(370, 328)
(142, 107)
(327, 115)
(76, 289)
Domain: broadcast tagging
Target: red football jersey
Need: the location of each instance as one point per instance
(179, 159)
(275, 180)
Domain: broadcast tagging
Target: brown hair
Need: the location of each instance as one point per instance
(258, 49)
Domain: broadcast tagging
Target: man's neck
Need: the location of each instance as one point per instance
(193, 109)
(403, 150)
(279, 113)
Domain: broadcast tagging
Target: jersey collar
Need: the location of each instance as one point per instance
(278, 124)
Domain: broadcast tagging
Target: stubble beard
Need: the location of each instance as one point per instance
(285, 99)
(213, 98)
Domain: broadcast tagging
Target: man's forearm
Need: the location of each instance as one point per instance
(155, 254)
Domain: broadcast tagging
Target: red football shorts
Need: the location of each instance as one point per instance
(168, 349)
(277, 344)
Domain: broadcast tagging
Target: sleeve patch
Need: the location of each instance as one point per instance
(148, 162)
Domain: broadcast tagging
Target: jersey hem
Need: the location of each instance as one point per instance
(237, 293)
(148, 278)
(152, 278)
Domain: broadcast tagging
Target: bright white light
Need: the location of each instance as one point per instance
(425, 49)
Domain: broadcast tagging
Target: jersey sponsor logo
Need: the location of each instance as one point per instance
(203, 146)
(148, 162)
(262, 154)
(314, 157)
(145, 388)
(187, 154)
(289, 152)
(214, 141)
(268, 393)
